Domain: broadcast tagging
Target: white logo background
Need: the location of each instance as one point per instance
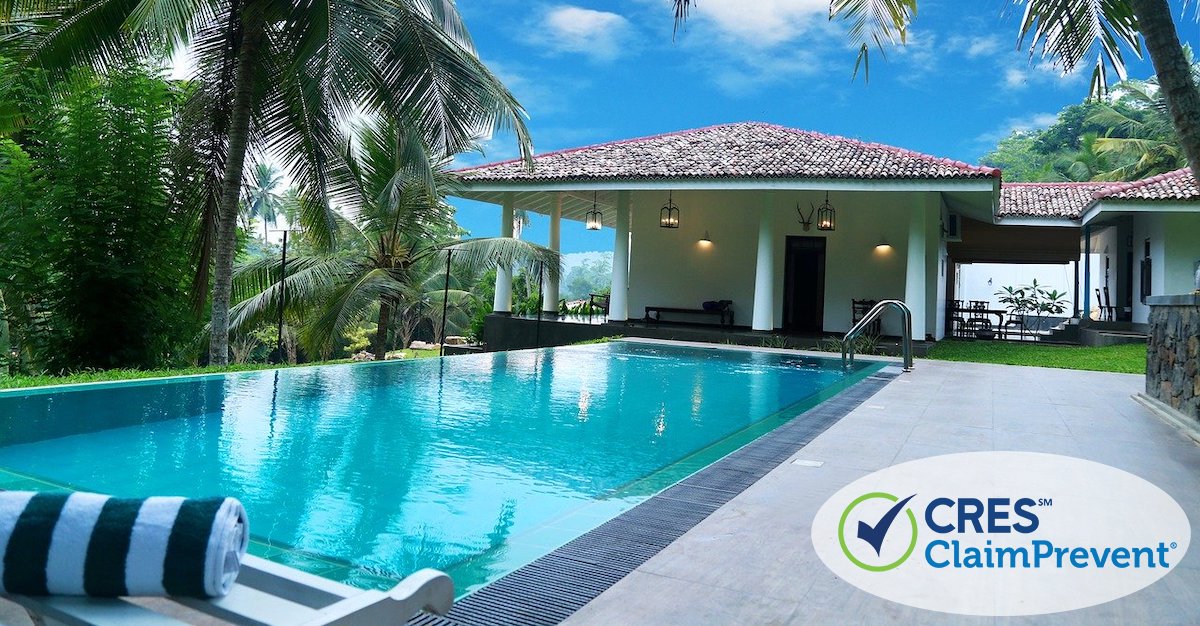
(1093, 506)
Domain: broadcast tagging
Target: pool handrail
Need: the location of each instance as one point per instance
(876, 311)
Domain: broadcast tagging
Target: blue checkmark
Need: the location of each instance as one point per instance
(874, 534)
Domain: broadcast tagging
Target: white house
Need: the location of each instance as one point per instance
(1138, 239)
(749, 187)
(747, 225)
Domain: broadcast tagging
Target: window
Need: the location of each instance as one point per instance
(1145, 290)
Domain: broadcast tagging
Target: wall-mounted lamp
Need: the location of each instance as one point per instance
(594, 218)
(705, 241)
(883, 245)
(668, 217)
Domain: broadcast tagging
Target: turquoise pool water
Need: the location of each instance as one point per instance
(473, 464)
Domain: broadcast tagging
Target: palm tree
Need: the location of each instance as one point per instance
(1148, 144)
(393, 252)
(279, 75)
(1067, 30)
(262, 198)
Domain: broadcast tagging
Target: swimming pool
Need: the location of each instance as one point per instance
(472, 464)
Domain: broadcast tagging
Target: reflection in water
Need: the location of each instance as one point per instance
(377, 466)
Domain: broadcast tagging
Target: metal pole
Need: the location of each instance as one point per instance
(537, 332)
(282, 300)
(445, 305)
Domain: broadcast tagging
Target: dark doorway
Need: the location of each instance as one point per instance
(804, 285)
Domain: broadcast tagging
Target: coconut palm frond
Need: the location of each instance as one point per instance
(1068, 31)
(477, 254)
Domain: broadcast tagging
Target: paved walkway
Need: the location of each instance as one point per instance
(752, 561)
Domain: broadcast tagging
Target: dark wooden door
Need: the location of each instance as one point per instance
(804, 285)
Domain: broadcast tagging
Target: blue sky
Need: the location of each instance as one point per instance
(589, 72)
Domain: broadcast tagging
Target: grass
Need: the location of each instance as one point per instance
(1127, 358)
(98, 376)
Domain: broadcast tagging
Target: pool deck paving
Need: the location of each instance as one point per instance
(752, 561)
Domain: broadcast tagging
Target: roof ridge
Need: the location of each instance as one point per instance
(1122, 187)
(989, 171)
(1063, 183)
(602, 144)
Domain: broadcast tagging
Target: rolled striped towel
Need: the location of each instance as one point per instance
(89, 544)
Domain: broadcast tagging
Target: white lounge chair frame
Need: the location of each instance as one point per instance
(266, 594)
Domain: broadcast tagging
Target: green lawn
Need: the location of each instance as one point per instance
(19, 382)
(1130, 358)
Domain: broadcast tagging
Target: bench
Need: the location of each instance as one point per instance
(725, 314)
(265, 593)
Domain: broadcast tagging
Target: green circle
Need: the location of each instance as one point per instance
(842, 533)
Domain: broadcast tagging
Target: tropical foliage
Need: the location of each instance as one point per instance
(277, 76)
(1033, 300)
(95, 265)
(1126, 136)
(391, 265)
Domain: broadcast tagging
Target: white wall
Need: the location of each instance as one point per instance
(670, 268)
(974, 279)
(1181, 253)
(1174, 251)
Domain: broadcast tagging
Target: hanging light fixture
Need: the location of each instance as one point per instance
(594, 218)
(668, 217)
(826, 215)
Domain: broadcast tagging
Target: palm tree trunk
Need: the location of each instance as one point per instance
(231, 186)
(381, 333)
(1174, 74)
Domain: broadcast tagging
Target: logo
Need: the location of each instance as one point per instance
(1001, 533)
(875, 535)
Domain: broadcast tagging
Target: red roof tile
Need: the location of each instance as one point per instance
(1178, 185)
(1047, 200)
(745, 150)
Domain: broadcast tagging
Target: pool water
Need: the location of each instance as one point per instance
(473, 464)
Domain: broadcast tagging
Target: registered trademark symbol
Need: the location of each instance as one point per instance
(1174, 545)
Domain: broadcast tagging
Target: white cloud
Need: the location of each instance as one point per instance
(974, 47)
(565, 29)
(1040, 74)
(1027, 123)
(762, 23)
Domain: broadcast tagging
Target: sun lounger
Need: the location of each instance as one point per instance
(265, 593)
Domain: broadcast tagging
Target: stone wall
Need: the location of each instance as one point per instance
(1173, 355)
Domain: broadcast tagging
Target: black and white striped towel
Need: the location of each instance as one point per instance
(89, 544)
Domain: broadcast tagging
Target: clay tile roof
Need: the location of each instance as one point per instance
(745, 150)
(1179, 185)
(1047, 200)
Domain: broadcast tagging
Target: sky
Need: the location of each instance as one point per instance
(589, 72)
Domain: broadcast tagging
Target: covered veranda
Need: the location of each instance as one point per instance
(746, 227)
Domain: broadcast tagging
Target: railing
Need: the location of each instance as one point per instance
(871, 316)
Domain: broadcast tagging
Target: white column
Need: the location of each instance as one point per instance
(550, 292)
(764, 272)
(618, 302)
(915, 275)
(502, 303)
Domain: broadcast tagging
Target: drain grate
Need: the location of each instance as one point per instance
(551, 588)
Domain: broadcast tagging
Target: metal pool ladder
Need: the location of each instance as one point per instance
(871, 316)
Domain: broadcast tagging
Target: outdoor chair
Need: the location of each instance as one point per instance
(980, 328)
(265, 593)
(598, 301)
(1016, 321)
(1108, 312)
(958, 321)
